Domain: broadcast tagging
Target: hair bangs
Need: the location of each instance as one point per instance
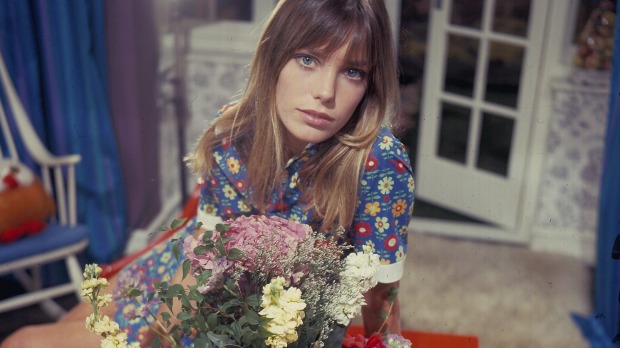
(328, 27)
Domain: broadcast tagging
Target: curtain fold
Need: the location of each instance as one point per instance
(56, 55)
(133, 55)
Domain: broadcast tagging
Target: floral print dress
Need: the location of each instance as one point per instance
(382, 215)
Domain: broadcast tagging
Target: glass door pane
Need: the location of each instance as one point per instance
(467, 13)
(504, 74)
(454, 132)
(461, 65)
(495, 143)
(512, 17)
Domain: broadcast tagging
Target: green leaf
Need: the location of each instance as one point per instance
(184, 316)
(218, 340)
(202, 278)
(236, 329)
(176, 290)
(232, 303)
(186, 267)
(202, 342)
(235, 254)
(198, 225)
(253, 300)
(250, 339)
(201, 250)
(202, 324)
(225, 329)
(176, 250)
(252, 317)
(242, 321)
(212, 321)
(194, 295)
(219, 245)
(133, 292)
(165, 316)
(207, 236)
(177, 223)
(222, 228)
(185, 303)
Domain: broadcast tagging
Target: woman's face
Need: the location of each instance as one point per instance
(316, 94)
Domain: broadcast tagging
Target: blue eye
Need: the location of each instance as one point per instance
(306, 60)
(355, 74)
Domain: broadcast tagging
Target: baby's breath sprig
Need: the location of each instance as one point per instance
(93, 289)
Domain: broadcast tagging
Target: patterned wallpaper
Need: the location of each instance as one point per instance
(568, 197)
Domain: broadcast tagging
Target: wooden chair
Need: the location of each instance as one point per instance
(62, 238)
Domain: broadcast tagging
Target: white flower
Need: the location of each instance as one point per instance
(358, 276)
(347, 304)
(385, 185)
(386, 143)
(229, 192)
(361, 268)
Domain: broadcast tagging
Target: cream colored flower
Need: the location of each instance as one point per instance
(285, 308)
(105, 326)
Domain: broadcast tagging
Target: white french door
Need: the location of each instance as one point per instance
(480, 85)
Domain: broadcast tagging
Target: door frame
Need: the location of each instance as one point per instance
(551, 55)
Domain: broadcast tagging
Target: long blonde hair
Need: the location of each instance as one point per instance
(330, 179)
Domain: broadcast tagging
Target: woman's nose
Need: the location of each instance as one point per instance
(324, 85)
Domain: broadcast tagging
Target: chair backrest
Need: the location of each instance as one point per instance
(57, 172)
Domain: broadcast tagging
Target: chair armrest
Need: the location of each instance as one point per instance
(47, 159)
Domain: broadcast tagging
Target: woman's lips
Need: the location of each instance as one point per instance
(316, 118)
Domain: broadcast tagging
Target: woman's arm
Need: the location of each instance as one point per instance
(380, 301)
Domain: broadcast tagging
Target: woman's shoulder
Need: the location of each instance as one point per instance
(389, 146)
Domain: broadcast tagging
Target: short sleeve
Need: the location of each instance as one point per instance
(385, 205)
(207, 212)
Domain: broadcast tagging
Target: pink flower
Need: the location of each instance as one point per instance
(251, 234)
(201, 262)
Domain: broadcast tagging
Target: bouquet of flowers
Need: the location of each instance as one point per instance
(261, 281)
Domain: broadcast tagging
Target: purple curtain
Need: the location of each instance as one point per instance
(132, 42)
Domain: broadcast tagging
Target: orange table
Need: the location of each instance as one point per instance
(421, 339)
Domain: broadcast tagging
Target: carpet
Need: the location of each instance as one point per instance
(506, 295)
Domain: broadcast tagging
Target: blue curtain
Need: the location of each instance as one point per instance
(55, 54)
(603, 328)
(607, 278)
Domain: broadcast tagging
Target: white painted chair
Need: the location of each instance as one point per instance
(62, 238)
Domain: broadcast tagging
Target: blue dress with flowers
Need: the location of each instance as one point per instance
(385, 203)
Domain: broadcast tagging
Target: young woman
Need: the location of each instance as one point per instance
(309, 140)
